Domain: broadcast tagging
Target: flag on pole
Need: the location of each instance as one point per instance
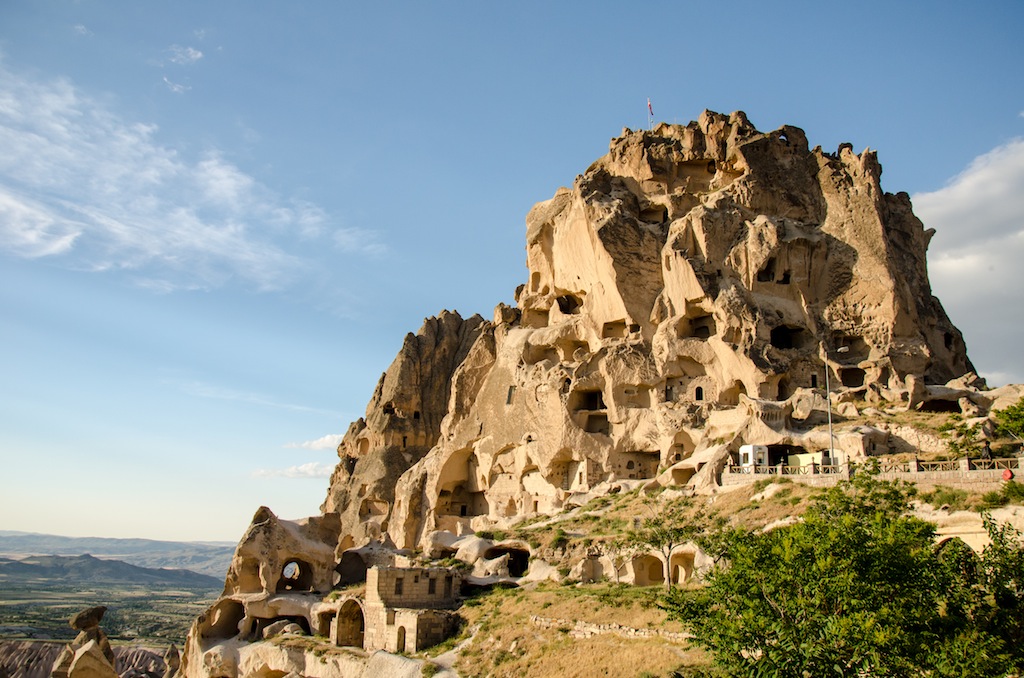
(649, 109)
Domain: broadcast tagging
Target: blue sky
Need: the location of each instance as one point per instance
(219, 220)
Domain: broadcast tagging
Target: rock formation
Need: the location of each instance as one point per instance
(699, 289)
(693, 291)
(89, 655)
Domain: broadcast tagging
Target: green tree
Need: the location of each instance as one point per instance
(856, 588)
(1011, 420)
(669, 526)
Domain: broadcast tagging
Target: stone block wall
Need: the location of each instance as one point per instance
(419, 587)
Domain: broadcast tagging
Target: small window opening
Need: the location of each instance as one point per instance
(948, 338)
(431, 586)
(389, 408)
(784, 280)
(630, 465)
(814, 381)
(767, 272)
(569, 304)
(511, 393)
(399, 584)
(416, 414)
(698, 393)
(787, 337)
(405, 441)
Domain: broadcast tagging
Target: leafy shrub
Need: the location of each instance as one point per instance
(946, 496)
(1011, 420)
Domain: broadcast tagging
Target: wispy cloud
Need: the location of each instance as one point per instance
(80, 29)
(102, 193)
(327, 442)
(203, 390)
(184, 56)
(976, 254)
(311, 470)
(176, 87)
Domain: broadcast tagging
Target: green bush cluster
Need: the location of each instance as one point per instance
(858, 588)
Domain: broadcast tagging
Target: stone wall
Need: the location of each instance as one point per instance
(961, 474)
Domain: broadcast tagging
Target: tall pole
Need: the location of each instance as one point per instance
(828, 398)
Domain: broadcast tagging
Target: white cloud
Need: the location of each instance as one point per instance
(176, 87)
(79, 183)
(81, 30)
(327, 442)
(311, 470)
(975, 260)
(184, 56)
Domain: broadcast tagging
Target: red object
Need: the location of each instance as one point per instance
(1007, 474)
(649, 109)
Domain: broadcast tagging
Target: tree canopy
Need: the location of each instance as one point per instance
(859, 588)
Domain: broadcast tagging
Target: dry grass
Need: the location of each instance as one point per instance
(508, 644)
(736, 505)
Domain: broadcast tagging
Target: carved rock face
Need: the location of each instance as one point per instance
(688, 274)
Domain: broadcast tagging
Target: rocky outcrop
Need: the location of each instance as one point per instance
(402, 422)
(89, 655)
(698, 285)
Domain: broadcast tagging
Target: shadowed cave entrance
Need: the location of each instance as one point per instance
(518, 559)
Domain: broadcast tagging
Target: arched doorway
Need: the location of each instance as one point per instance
(350, 624)
(400, 643)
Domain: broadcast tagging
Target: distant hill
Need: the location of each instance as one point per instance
(42, 571)
(209, 558)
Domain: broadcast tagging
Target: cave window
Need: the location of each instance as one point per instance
(814, 381)
(948, 338)
(295, 576)
(614, 329)
(852, 377)
(784, 280)
(591, 400)
(389, 408)
(767, 272)
(711, 167)
(630, 465)
(654, 214)
(405, 441)
(566, 385)
(431, 586)
(784, 139)
(448, 581)
(416, 414)
(511, 393)
(463, 510)
(597, 423)
(698, 393)
(702, 327)
(668, 394)
(569, 304)
(786, 337)
(783, 389)
(399, 582)
(634, 328)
